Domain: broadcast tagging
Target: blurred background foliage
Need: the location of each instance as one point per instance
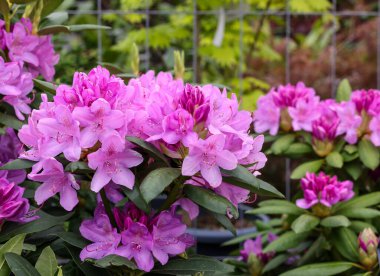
(221, 37)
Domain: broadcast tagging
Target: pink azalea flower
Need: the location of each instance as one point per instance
(55, 180)
(112, 162)
(188, 206)
(97, 121)
(374, 126)
(267, 115)
(178, 126)
(193, 100)
(304, 113)
(63, 131)
(207, 156)
(349, 123)
(324, 189)
(100, 231)
(255, 159)
(255, 247)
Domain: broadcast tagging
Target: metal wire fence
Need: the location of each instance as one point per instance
(241, 12)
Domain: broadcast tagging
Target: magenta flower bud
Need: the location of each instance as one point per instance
(321, 191)
(13, 207)
(363, 99)
(193, 100)
(368, 243)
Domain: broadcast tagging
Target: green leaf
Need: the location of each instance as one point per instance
(10, 121)
(313, 252)
(242, 238)
(297, 149)
(193, 265)
(50, 6)
(275, 262)
(282, 143)
(369, 154)
(45, 86)
(335, 221)
(156, 182)
(322, 269)
(358, 226)
(241, 177)
(73, 239)
(344, 91)
(43, 223)
(360, 213)
(334, 159)
(54, 29)
(277, 210)
(115, 260)
(311, 166)
(78, 166)
(304, 223)
(354, 170)
(148, 147)
(47, 263)
(18, 164)
(20, 2)
(14, 245)
(286, 241)
(210, 200)
(345, 241)
(136, 197)
(360, 202)
(276, 202)
(20, 266)
(225, 222)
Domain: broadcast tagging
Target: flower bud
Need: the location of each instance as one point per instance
(368, 243)
(179, 64)
(135, 59)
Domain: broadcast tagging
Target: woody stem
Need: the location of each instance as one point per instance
(107, 207)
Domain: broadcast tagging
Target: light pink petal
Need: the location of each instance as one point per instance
(144, 260)
(212, 175)
(160, 255)
(226, 160)
(124, 177)
(88, 137)
(69, 198)
(191, 165)
(44, 192)
(100, 179)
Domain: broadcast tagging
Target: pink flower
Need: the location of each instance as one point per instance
(374, 126)
(207, 156)
(13, 207)
(63, 133)
(267, 115)
(324, 189)
(363, 99)
(97, 121)
(193, 100)
(350, 121)
(178, 126)
(255, 247)
(100, 231)
(256, 159)
(112, 162)
(55, 180)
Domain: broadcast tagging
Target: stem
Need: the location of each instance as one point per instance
(173, 195)
(107, 206)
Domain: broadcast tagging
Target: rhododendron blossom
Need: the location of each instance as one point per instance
(324, 189)
(137, 236)
(255, 247)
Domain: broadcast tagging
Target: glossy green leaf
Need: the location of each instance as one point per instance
(311, 166)
(241, 177)
(304, 223)
(45, 86)
(275, 262)
(148, 147)
(115, 260)
(156, 182)
(282, 143)
(335, 160)
(50, 6)
(86, 268)
(276, 202)
(43, 223)
(354, 170)
(314, 251)
(47, 262)
(345, 241)
(360, 213)
(335, 221)
(78, 166)
(225, 222)
(14, 245)
(20, 2)
(136, 197)
(10, 121)
(242, 238)
(286, 241)
(297, 149)
(360, 202)
(73, 239)
(17, 164)
(20, 266)
(193, 265)
(344, 91)
(210, 201)
(369, 154)
(322, 269)
(54, 29)
(358, 226)
(277, 210)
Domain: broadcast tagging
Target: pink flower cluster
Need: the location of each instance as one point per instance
(28, 56)
(324, 189)
(90, 120)
(287, 107)
(297, 108)
(136, 236)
